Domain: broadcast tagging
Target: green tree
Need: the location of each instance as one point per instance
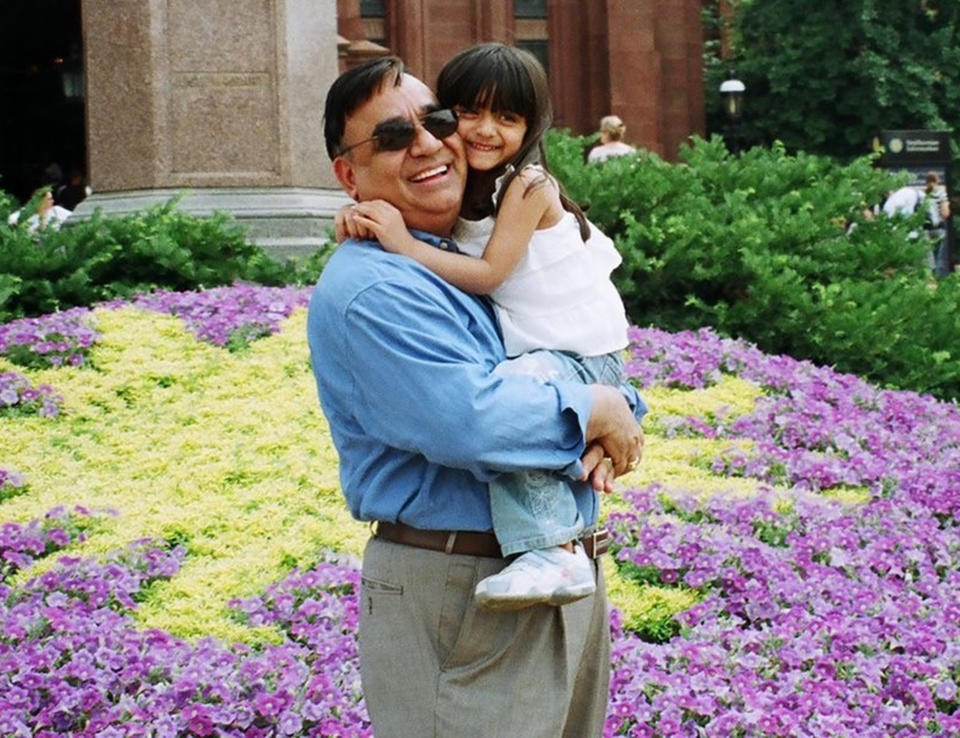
(826, 77)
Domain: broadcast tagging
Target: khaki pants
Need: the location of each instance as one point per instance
(434, 666)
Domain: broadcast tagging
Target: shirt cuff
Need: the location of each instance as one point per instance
(576, 404)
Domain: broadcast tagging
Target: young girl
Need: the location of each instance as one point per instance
(547, 270)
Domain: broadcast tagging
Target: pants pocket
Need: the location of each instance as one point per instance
(373, 590)
(473, 636)
(457, 593)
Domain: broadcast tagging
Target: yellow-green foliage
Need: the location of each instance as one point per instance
(229, 454)
(731, 396)
(646, 608)
(672, 462)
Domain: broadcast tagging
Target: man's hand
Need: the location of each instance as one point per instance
(613, 427)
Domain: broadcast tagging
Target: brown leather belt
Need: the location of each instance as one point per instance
(470, 543)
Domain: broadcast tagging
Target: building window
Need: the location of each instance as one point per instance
(373, 8)
(374, 16)
(530, 29)
(530, 8)
(540, 48)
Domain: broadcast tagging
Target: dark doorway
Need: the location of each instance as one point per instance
(42, 93)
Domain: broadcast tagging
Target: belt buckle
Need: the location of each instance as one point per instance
(599, 542)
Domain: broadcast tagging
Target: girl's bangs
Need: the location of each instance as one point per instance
(492, 83)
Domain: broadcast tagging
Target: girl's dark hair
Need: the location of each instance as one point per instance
(510, 80)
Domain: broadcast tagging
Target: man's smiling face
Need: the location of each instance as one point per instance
(425, 181)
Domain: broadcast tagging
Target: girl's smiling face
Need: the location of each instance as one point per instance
(491, 139)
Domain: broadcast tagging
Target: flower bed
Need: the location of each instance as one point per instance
(72, 661)
(786, 564)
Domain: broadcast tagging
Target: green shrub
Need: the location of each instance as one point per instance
(106, 258)
(761, 246)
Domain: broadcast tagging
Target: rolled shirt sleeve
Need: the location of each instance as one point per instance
(405, 364)
(431, 389)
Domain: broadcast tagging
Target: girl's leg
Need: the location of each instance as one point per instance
(535, 509)
(534, 512)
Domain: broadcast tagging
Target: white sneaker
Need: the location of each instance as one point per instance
(552, 576)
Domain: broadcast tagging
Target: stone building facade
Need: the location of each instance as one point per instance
(221, 100)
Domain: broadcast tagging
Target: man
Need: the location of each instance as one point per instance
(404, 365)
(935, 224)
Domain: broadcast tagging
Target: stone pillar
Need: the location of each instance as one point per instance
(680, 42)
(654, 56)
(221, 100)
(426, 33)
(579, 74)
(636, 71)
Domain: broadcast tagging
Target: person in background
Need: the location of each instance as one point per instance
(45, 213)
(937, 211)
(611, 133)
(72, 192)
(53, 177)
(903, 201)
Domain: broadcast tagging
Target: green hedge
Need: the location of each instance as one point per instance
(760, 246)
(105, 258)
(757, 246)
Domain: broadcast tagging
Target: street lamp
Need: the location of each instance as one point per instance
(731, 92)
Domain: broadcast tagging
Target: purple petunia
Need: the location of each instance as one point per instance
(50, 340)
(19, 397)
(227, 316)
(813, 617)
(72, 660)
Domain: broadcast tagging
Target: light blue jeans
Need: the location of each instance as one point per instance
(536, 509)
(939, 258)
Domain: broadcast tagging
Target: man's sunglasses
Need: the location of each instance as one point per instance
(396, 135)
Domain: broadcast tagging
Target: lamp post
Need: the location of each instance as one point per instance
(731, 93)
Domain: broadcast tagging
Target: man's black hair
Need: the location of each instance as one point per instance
(351, 90)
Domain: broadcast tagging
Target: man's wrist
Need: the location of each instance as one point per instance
(601, 415)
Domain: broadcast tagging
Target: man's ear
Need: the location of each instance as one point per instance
(343, 171)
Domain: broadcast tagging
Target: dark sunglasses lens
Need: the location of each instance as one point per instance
(398, 135)
(395, 136)
(440, 123)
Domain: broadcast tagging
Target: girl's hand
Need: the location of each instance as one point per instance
(385, 223)
(345, 226)
(597, 469)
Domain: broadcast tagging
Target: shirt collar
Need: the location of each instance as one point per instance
(447, 244)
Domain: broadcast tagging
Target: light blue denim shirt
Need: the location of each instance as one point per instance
(404, 367)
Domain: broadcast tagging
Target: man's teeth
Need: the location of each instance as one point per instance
(429, 173)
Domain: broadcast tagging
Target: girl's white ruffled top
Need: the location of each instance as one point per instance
(560, 296)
